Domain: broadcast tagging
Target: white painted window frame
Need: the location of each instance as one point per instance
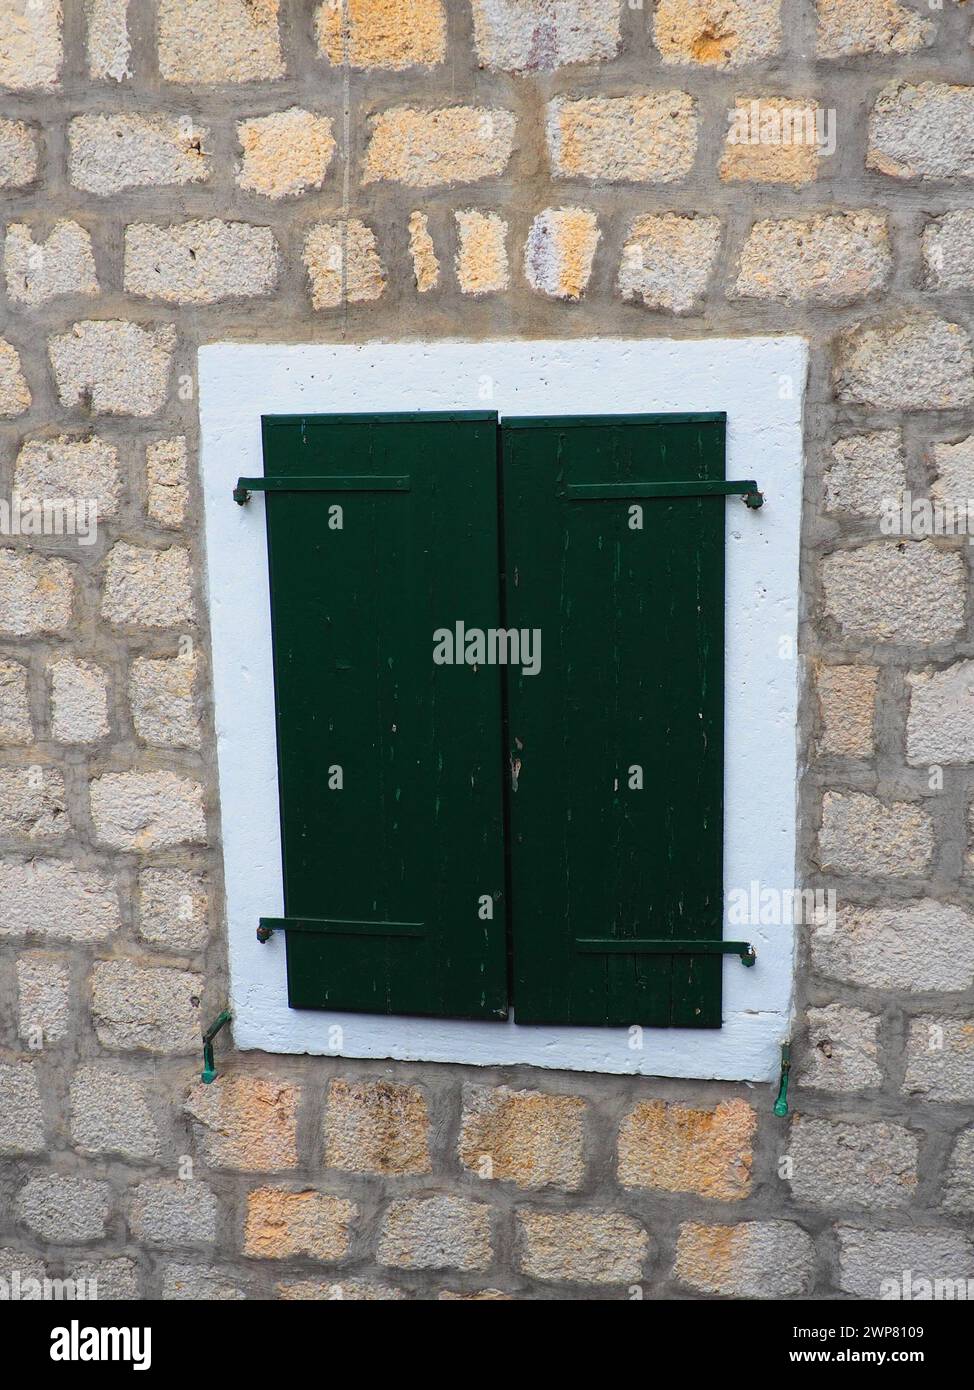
(760, 383)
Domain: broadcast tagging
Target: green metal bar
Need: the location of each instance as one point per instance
(781, 1102)
(339, 483)
(604, 492)
(337, 926)
(642, 946)
(208, 1073)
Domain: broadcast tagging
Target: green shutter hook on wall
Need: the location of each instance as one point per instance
(781, 1103)
(208, 1073)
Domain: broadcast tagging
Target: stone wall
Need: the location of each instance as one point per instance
(182, 171)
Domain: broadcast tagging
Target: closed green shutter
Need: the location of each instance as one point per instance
(401, 779)
(630, 690)
(390, 774)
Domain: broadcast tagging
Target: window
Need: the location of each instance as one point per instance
(499, 702)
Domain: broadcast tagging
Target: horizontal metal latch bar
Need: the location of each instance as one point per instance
(339, 483)
(606, 492)
(337, 926)
(641, 946)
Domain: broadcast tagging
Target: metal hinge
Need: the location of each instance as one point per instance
(606, 492)
(336, 926)
(641, 946)
(338, 483)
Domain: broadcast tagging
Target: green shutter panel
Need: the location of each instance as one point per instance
(631, 684)
(390, 533)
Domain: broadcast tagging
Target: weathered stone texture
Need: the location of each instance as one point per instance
(850, 27)
(245, 1123)
(676, 1149)
(167, 481)
(426, 266)
(915, 362)
(393, 34)
(31, 45)
(21, 1117)
(841, 1165)
(647, 138)
(110, 1115)
(36, 593)
(376, 1127)
(14, 392)
(922, 945)
(940, 724)
(79, 701)
(343, 263)
(32, 803)
(525, 35)
(30, 1270)
(773, 139)
(113, 368)
(44, 998)
(140, 811)
(482, 265)
(717, 33)
(953, 486)
(847, 702)
(61, 263)
(337, 1291)
(524, 1137)
(480, 1296)
(172, 909)
(18, 154)
(148, 588)
(940, 1059)
(281, 1223)
(153, 1009)
(52, 898)
(834, 258)
(842, 1052)
(959, 1188)
(199, 1284)
(108, 44)
(756, 1259)
(16, 726)
(424, 148)
(870, 1259)
(164, 702)
(219, 41)
(114, 1280)
(560, 250)
(580, 1246)
(923, 131)
(200, 262)
(286, 153)
(63, 467)
(667, 260)
(864, 471)
(111, 152)
(863, 835)
(436, 1233)
(63, 1209)
(907, 591)
(948, 252)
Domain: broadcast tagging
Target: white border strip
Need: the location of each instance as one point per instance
(760, 382)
